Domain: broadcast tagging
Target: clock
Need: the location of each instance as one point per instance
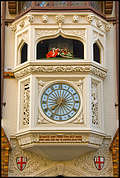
(60, 101)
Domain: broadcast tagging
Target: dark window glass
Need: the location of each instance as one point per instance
(42, 49)
(96, 53)
(78, 49)
(24, 53)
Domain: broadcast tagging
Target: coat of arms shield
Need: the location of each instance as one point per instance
(21, 163)
(99, 162)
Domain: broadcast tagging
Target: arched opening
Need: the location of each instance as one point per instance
(96, 53)
(24, 50)
(71, 48)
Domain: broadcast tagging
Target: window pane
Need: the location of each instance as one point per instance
(96, 53)
(24, 53)
(78, 49)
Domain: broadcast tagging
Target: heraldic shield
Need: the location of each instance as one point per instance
(99, 162)
(21, 163)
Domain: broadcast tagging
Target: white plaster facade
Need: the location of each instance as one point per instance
(88, 77)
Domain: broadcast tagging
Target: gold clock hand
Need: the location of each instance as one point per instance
(59, 102)
(53, 107)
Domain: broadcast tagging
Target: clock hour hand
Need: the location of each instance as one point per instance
(59, 102)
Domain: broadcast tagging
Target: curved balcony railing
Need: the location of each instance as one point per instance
(96, 6)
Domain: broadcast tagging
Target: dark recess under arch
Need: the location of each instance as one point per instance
(24, 49)
(75, 46)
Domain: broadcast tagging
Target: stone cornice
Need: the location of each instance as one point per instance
(47, 67)
(66, 138)
(47, 19)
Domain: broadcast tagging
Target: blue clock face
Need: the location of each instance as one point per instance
(60, 102)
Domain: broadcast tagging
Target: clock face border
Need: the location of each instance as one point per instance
(47, 85)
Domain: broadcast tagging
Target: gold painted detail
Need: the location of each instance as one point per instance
(40, 138)
(51, 138)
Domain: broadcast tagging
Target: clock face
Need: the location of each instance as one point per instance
(60, 102)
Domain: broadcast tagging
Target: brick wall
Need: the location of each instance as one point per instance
(114, 147)
(5, 148)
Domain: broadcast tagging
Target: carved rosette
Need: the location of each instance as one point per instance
(30, 19)
(60, 18)
(98, 23)
(90, 18)
(13, 28)
(75, 18)
(108, 27)
(45, 18)
(22, 24)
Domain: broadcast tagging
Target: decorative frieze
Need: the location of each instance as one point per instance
(79, 68)
(51, 138)
(30, 139)
(65, 19)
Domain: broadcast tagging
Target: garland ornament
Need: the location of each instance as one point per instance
(53, 52)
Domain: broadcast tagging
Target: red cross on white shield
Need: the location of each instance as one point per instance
(99, 162)
(21, 162)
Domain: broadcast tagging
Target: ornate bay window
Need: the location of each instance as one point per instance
(61, 83)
